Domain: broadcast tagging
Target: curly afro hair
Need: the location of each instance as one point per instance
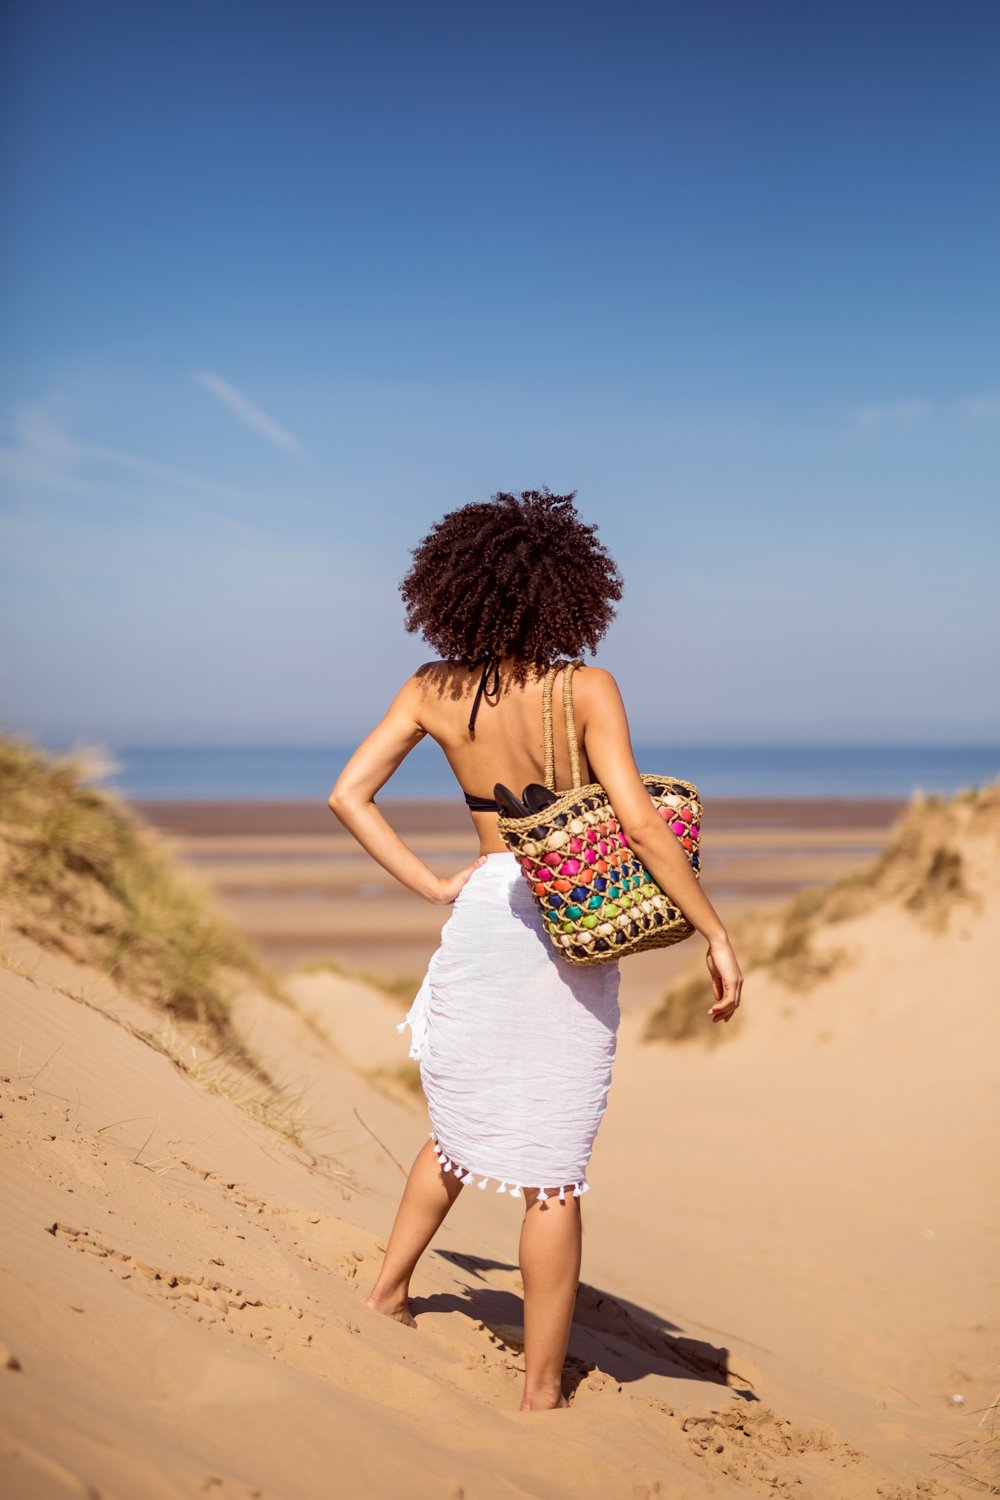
(519, 575)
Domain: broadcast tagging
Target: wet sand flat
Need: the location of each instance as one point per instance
(300, 886)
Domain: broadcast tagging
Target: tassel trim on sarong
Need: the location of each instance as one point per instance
(515, 1189)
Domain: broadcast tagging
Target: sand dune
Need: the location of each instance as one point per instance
(787, 1258)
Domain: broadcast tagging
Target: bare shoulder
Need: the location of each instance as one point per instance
(423, 680)
(430, 674)
(429, 685)
(597, 687)
(440, 679)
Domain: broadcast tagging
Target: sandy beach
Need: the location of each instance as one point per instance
(290, 876)
(397, 397)
(788, 1285)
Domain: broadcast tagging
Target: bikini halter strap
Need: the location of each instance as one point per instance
(491, 664)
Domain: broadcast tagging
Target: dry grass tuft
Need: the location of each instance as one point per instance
(976, 1459)
(81, 874)
(14, 965)
(281, 1107)
(923, 868)
(680, 1016)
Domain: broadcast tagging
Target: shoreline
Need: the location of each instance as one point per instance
(292, 816)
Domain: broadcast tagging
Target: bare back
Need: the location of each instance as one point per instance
(507, 742)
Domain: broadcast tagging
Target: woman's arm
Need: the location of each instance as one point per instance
(608, 747)
(352, 799)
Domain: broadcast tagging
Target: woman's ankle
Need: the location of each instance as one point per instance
(543, 1398)
(388, 1295)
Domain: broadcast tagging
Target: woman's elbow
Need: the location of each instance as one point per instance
(344, 800)
(338, 800)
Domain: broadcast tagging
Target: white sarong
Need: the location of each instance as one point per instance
(515, 1044)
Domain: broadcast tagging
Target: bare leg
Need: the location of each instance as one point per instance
(550, 1255)
(427, 1197)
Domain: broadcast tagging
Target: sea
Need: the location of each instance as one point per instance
(307, 772)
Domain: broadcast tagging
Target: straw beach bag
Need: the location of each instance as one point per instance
(598, 901)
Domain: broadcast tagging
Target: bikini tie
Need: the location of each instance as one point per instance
(491, 661)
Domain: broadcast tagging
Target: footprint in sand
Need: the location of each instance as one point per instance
(770, 1455)
(273, 1325)
(320, 1232)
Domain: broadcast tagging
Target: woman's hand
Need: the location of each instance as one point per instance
(727, 979)
(449, 887)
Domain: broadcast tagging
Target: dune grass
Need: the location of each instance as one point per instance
(79, 872)
(975, 1458)
(923, 868)
(781, 942)
(281, 1107)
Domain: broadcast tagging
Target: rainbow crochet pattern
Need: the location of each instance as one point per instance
(598, 900)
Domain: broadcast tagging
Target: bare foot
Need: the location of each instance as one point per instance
(542, 1403)
(400, 1311)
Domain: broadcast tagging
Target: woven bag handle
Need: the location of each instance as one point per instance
(574, 749)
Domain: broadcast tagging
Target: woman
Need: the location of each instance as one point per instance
(515, 1044)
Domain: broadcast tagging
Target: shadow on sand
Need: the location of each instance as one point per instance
(609, 1334)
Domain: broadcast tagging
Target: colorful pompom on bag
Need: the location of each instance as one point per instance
(598, 901)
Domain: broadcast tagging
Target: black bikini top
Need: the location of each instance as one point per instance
(483, 804)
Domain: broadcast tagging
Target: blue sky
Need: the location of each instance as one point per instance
(284, 283)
